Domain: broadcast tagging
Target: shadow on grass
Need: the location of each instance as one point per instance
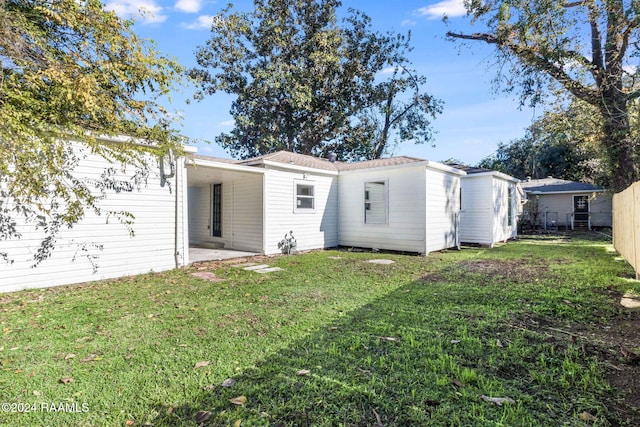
(422, 355)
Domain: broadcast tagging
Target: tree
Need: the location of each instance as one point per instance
(584, 46)
(303, 80)
(562, 143)
(410, 119)
(72, 71)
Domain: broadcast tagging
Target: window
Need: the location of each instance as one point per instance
(216, 210)
(375, 203)
(304, 197)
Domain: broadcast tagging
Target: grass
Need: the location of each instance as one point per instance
(417, 342)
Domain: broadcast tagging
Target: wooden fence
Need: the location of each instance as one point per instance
(626, 225)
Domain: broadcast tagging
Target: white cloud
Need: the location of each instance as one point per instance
(228, 123)
(189, 6)
(449, 8)
(408, 23)
(203, 22)
(388, 70)
(147, 11)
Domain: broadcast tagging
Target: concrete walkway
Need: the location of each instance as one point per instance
(206, 254)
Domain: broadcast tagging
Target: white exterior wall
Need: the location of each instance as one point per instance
(599, 206)
(484, 217)
(405, 228)
(199, 214)
(153, 248)
(501, 229)
(443, 209)
(476, 214)
(241, 214)
(313, 229)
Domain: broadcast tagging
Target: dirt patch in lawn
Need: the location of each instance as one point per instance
(516, 270)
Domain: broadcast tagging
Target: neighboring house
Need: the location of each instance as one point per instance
(103, 242)
(401, 203)
(490, 206)
(554, 203)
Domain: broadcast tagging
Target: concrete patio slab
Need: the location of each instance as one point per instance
(207, 254)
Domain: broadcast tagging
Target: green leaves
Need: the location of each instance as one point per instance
(581, 47)
(72, 71)
(304, 81)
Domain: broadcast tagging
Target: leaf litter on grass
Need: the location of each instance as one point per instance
(333, 325)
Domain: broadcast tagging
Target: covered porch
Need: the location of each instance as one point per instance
(225, 209)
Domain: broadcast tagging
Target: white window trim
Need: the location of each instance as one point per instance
(385, 181)
(307, 183)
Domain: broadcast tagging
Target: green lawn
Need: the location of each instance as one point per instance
(329, 342)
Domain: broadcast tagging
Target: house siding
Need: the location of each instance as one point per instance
(476, 214)
(484, 217)
(313, 229)
(600, 207)
(501, 229)
(152, 248)
(246, 218)
(405, 228)
(443, 209)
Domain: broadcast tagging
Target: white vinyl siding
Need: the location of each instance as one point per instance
(404, 229)
(489, 206)
(318, 227)
(443, 207)
(152, 248)
(476, 216)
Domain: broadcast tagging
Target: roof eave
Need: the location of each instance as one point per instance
(294, 167)
(192, 161)
(538, 192)
(494, 174)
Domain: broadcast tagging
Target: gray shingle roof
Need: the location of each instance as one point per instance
(303, 160)
(555, 185)
(287, 157)
(378, 163)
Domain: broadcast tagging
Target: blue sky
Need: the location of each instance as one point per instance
(474, 121)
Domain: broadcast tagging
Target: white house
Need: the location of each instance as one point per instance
(101, 247)
(400, 203)
(490, 205)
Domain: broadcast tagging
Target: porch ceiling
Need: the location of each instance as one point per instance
(200, 175)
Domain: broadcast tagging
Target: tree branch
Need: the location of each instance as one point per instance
(530, 58)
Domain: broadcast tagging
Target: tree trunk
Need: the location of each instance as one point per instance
(618, 143)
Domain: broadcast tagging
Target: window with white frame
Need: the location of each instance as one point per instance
(375, 202)
(304, 197)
